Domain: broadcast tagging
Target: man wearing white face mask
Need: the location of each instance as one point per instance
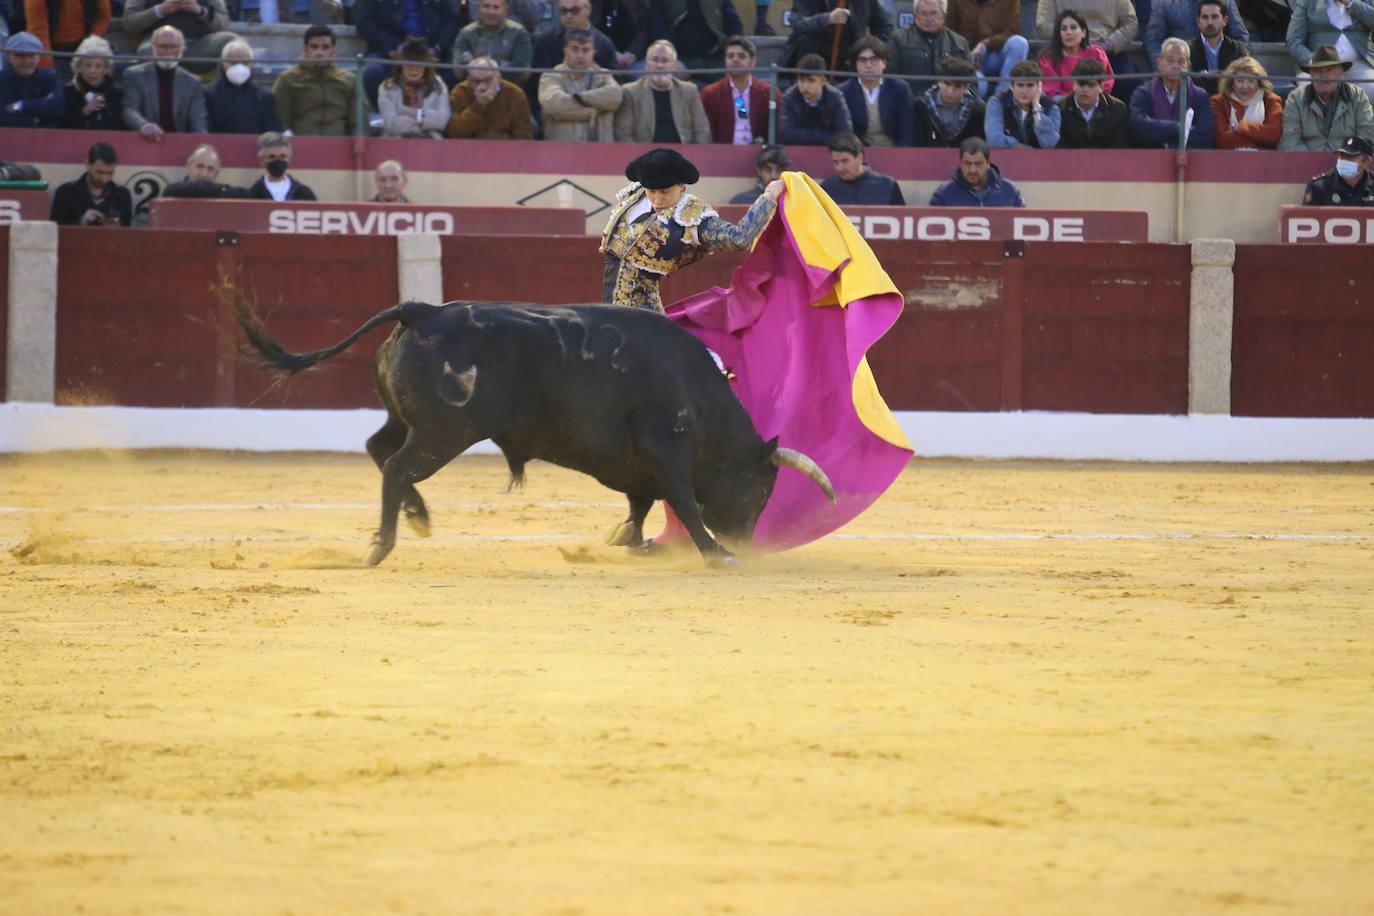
(1348, 184)
(660, 108)
(234, 104)
(159, 96)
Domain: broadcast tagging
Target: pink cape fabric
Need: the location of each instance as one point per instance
(795, 364)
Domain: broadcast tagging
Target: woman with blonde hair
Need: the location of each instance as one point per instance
(413, 101)
(1248, 113)
(93, 100)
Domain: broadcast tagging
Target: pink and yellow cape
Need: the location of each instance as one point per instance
(795, 326)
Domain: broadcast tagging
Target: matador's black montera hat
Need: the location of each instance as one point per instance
(662, 168)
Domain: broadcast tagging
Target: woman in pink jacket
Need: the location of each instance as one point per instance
(1069, 45)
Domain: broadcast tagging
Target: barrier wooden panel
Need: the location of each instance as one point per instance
(972, 224)
(25, 205)
(138, 330)
(1303, 344)
(1326, 225)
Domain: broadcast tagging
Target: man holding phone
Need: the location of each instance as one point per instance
(94, 199)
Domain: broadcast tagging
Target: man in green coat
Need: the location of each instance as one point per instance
(317, 97)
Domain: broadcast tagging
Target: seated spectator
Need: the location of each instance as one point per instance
(232, 103)
(390, 178)
(1348, 184)
(316, 97)
(574, 15)
(918, 48)
(1340, 24)
(854, 182)
(1091, 119)
(150, 85)
(413, 101)
(660, 108)
(698, 30)
(1183, 19)
(950, 112)
(274, 154)
(1069, 45)
(770, 163)
(976, 182)
(61, 25)
(814, 23)
(1322, 114)
(202, 24)
(385, 24)
(1213, 49)
(579, 99)
(93, 101)
(94, 199)
(1022, 116)
(813, 111)
(881, 108)
(736, 105)
(1157, 106)
(626, 24)
(202, 178)
(493, 35)
(30, 95)
(992, 28)
(486, 107)
(1111, 26)
(1248, 114)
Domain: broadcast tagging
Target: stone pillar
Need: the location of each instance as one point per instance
(419, 268)
(1211, 311)
(31, 345)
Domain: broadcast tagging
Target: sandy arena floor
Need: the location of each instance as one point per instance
(1009, 688)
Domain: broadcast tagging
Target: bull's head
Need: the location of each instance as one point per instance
(733, 513)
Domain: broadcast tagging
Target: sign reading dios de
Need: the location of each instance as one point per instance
(998, 224)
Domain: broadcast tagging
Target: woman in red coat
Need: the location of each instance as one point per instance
(1248, 113)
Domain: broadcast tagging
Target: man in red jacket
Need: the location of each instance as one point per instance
(737, 105)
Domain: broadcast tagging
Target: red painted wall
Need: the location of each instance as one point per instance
(139, 329)
(1093, 327)
(1303, 344)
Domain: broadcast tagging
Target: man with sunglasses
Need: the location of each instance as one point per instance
(737, 104)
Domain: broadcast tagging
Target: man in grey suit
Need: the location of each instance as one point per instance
(159, 96)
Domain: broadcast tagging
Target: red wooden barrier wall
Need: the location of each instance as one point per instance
(1303, 344)
(1089, 326)
(137, 324)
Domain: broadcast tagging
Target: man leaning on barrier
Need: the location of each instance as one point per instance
(1347, 184)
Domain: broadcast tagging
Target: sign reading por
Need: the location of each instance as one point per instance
(949, 224)
(319, 218)
(1326, 225)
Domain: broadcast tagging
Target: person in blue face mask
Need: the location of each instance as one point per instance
(1348, 184)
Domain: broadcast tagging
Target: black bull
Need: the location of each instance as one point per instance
(622, 394)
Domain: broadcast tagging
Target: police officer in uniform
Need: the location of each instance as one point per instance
(1348, 184)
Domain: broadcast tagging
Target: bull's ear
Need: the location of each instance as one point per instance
(769, 447)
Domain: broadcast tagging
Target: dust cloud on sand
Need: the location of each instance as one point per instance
(1009, 688)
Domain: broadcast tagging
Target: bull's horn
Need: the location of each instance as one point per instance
(791, 458)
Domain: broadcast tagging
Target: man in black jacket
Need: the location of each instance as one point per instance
(94, 199)
(202, 177)
(814, 23)
(1213, 49)
(274, 152)
(1090, 118)
(1348, 184)
(233, 105)
(854, 182)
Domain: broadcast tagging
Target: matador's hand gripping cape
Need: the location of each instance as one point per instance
(795, 324)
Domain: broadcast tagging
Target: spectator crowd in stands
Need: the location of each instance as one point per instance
(603, 70)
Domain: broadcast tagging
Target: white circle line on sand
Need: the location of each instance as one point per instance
(556, 536)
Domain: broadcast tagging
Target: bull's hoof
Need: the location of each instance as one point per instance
(378, 553)
(418, 520)
(626, 534)
(647, 549)
(724, 561)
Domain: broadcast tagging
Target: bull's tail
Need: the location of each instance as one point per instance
(272, 355)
